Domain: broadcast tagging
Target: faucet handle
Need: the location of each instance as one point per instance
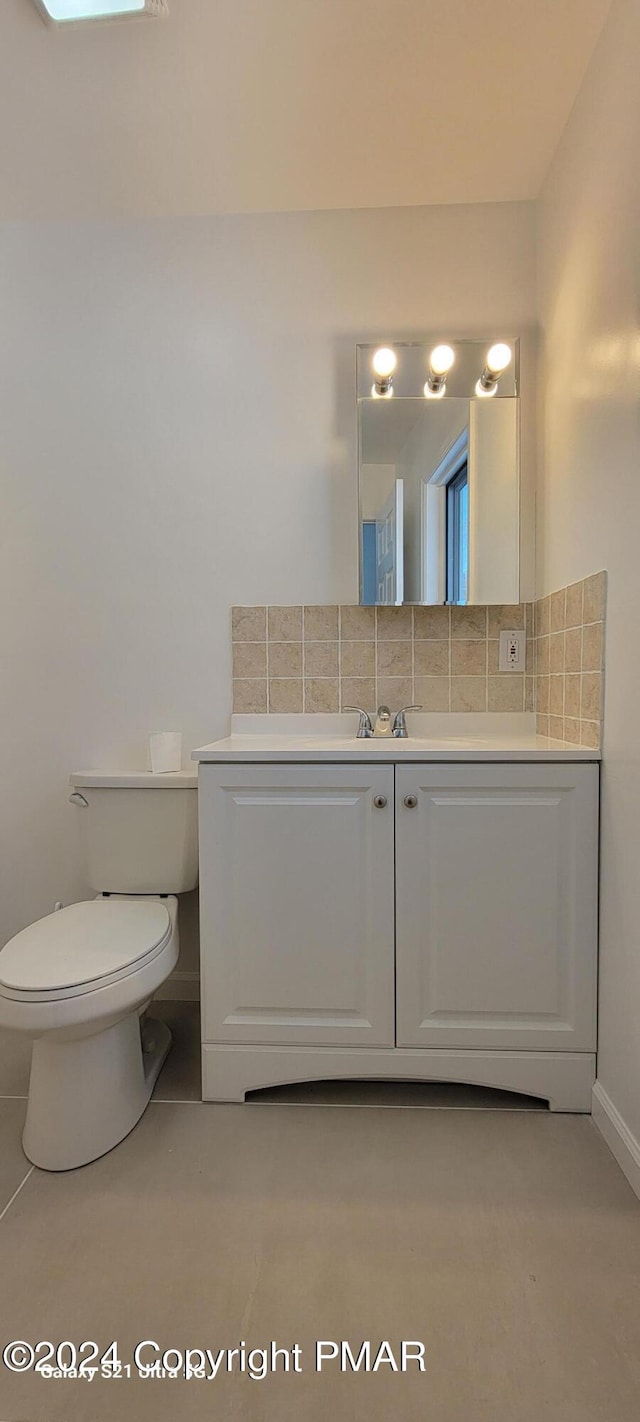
(399, 724)
(365, 728)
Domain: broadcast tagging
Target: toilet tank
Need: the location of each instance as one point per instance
(138, 831)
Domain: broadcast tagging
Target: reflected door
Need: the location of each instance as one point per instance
(389, 548)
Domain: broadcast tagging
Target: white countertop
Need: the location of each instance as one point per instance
(431, 738)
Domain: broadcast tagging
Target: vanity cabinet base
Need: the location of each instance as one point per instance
(564, 1079)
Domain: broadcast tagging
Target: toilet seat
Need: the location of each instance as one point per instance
(83, 948)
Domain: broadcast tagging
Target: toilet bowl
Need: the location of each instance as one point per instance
(78, 981)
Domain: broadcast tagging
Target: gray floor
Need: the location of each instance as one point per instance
(506, 1239)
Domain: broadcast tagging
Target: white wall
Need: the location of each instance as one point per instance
(589, 500)
(177, 434)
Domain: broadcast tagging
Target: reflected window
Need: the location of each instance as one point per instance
(458, 536)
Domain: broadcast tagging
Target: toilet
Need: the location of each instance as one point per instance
(79, 981)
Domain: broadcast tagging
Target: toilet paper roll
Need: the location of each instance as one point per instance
(165, 751)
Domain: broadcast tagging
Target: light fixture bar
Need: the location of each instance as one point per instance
(65, 12)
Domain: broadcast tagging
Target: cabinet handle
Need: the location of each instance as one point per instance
(380, 801)
(411, 801)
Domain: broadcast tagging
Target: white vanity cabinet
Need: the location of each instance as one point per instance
(413, 920)
(496, 906)
(297, 904)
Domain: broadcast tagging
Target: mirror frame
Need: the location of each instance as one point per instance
(408, 384)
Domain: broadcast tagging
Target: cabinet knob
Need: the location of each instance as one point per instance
(411, 801)
(380, 801)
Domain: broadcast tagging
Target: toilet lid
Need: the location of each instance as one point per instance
(82, 943)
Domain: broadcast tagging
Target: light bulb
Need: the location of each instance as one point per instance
(441, 359)
(482, 390)
(384, 361)
(434, 394)
(498, 358)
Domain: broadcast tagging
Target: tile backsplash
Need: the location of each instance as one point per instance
(322, 659)
(569, 662)
(288, 659)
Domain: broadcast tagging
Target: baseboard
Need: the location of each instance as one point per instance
(615, 1131)
(180, 987)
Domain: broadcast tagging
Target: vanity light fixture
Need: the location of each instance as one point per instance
(64, 12)
(384, 363)
(498, 358)
(440, 363)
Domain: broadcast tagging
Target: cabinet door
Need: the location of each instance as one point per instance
(497, 906)
(296, 892)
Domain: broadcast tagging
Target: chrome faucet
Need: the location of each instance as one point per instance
(382, 726)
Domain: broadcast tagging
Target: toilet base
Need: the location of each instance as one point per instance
(86, 1095)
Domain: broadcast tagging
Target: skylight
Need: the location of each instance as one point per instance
(62, 11)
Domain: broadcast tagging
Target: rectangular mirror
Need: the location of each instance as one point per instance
(439, 472)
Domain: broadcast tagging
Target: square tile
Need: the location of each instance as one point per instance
(542, 656)
(249, 624)
(556, 728)
(468, 658)
(321, 624)
(506, 618)
(542, 724)
(394, 658)
(557, 605)
(543, 617)
(529, 693)
(431, 658)
(432, 692)
(556, 695)
(592, 647)
(357, 624)
(556, 652)
(321, 694)
(321, 658)
(394, 623)
(573, 611)
(591, 696)
(572, 690)
(250, 697)
(469, 622)
(285, 695)
(468, 693)
(358, 691)
(431, 623)
(590, 734)
(249, 659)
(506, 693)
(594, 598)
(572, 730)
(542, 694)
(358, 659)
(285, 659)
(284, 624)
(395, 691)
(573, 650)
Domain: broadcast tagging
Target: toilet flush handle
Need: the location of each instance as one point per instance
(78, 799)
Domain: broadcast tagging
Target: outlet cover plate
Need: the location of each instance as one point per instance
(513, 651)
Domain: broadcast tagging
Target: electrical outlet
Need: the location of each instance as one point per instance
(513, 651)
